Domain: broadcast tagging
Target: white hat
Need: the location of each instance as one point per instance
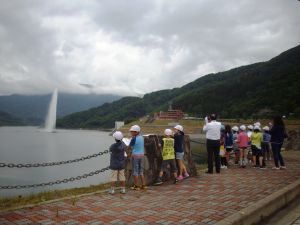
(235, 128)
(250, 127)
(256, 127)
(168, 132)
(242, 127)
(179, 127)
(257, 124)
(135, 128)
(118, 135)
(266, 128)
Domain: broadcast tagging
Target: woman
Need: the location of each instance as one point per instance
(278, 134)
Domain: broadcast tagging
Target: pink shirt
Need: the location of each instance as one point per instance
(242, 140)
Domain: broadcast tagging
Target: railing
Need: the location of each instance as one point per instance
(45, 164)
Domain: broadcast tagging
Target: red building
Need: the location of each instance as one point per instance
(171, 115)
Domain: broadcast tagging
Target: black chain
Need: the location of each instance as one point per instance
(51, 183)
(198, 142)
(30, 165)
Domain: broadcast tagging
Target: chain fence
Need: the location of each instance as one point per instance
(198, 142)
(51, 183)
(35, 165)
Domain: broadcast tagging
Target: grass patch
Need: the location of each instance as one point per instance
(8, 203)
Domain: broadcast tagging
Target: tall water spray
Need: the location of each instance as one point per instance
(51, 117)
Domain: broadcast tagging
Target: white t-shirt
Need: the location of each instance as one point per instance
(213, 130)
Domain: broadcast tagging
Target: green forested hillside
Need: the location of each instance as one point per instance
(32, 109)
(257, 90)
(9, 120)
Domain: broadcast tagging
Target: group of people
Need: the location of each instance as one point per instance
(172, 148)
(251, 145)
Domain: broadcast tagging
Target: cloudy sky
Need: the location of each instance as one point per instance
(137, 46)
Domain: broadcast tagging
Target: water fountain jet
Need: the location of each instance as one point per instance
(50, 122)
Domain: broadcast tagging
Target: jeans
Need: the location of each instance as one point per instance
(213, 151)
(138, 166)
(276, 149)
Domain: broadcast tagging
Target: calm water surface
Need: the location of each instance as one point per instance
(33, 145)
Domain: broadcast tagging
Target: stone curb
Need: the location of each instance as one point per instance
(55, 200)
(264, 207)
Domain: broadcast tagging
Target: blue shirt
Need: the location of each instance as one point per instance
(117, 158)
(179, 140)
(137, 144)
(228, 140)
(266, 137)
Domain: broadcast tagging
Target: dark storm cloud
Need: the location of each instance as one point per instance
(133, 47)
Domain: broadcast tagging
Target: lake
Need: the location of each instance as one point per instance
(33, 145)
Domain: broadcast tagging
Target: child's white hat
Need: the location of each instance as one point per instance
(179, 127)
(118, 135)
(257, 124)
(250, 127)
(242, 127)
(266, 128)
(235, 128)
(168, 132)
(256, 127)
(135, 128)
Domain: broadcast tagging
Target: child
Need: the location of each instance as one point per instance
(137, 147)
(266, 143)
(117, 162)
(168, 155)
(236, 149)
(179, 141)
(243, 145)
(228, 142)
(256, 140)
(223, 157)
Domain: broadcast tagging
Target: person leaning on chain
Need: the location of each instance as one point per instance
(212, 128)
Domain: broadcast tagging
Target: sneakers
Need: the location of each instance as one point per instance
(135, 187)
(175, 181)
(179, 177)
(262, 168)
(144, 187)
(275, 168)
(122, 191)
(186, 175)
(283, 167)
(158, 181)
(111, 191)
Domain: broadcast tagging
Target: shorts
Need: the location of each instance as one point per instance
(256, 151)
(170, 162)
(179, 155)
(265, 147)
(138, 166)
(228, 149)
(117, 175)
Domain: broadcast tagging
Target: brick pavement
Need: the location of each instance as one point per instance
(205, 199)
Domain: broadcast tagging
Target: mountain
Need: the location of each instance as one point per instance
(253, 91)
(8, 120)
(32, 109)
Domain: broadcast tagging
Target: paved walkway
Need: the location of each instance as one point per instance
(206, 199)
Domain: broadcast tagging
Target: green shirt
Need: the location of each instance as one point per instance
(168, 151)
(256, 139)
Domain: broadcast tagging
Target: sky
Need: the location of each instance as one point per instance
(135, 47)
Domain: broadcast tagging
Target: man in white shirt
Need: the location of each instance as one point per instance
(212, 128)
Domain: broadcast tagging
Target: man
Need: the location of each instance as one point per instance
(212, 128)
